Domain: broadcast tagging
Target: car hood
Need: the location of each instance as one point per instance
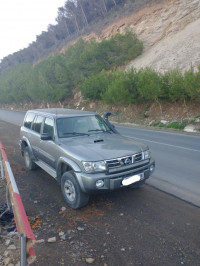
(100, 146)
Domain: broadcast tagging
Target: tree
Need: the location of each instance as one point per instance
(71, 11)
(84, 15)
(192, 83)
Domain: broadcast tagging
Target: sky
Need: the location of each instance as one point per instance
(22, 20)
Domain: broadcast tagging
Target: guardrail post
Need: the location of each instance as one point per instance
(22, 250)
(1, 166)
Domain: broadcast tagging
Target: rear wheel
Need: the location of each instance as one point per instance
(72, 192)
(28, 160)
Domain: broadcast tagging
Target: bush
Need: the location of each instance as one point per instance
(118, 90)
(148, 85)
(192, 83)
(95, 85)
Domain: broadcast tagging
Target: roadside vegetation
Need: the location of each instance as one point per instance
(142, 85)
(92, 67)
(175, 124)
(53, 78)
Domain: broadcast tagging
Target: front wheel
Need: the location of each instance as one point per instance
(71, 191)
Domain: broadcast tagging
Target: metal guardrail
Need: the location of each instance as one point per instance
(27, 238)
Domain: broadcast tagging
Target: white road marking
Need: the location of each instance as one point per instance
(170, 145)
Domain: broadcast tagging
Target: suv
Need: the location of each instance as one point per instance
(83, 152)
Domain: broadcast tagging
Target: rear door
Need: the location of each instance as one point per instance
(35, 134)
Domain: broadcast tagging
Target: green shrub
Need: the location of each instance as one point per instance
(192, 83)
(177, 125)
(148, 84)
(176, 86)
(95, 85)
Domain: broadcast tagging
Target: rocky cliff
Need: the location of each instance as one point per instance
(170, 31)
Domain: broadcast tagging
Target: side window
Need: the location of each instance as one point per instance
(28, 120)
(37, 123)
(49, 127)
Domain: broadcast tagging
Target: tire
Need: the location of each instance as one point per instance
(30, 165)
(72, 192)
(137, 184)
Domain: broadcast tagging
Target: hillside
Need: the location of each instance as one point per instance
(170, 32)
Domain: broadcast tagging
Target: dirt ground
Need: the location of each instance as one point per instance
(126, 227)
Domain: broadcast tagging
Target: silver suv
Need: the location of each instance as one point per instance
(83, 152)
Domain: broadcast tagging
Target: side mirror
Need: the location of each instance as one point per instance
(106, 115)
(45, 136)
(111, 126)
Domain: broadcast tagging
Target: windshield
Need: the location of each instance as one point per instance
(81, 125)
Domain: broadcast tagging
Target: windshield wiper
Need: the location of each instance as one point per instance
(99, 130)
(96, 130)
(76, 134)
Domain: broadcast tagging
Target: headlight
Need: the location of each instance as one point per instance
(147, 154)
(91, 167)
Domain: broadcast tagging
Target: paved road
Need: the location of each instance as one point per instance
(126, 227)
(177, 158)
(177, 161)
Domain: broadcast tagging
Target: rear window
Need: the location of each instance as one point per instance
(28, 120)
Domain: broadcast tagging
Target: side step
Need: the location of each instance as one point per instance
(47, 168)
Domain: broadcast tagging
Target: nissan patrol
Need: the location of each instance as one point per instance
(83, 152)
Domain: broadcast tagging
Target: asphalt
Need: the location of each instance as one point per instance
(143, 226)
(177, 157)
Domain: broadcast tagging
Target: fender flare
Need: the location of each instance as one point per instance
(73, 165)
(24, 139)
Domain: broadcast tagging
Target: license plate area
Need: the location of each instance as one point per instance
(132, 179)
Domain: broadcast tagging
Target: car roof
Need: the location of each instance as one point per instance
(60, 112)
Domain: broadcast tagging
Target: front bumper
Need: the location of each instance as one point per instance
(112, 181)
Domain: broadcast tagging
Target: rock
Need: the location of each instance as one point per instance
(40, 241)
(6, 253)
(92, 105)
(80, 228)
(63, 237)
(164, 122)
(90, 260)
(151, 123)
(12, 247)
(190, 128)
(8, 241)
(6, 261)
(52, 239)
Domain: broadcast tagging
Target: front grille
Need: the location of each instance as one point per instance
(124, 161)
(137, 157)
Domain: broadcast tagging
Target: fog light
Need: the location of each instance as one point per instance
(99, 183)
(151, 168)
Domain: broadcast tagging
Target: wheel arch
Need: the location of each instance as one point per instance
(26, 143)
(66, 165)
